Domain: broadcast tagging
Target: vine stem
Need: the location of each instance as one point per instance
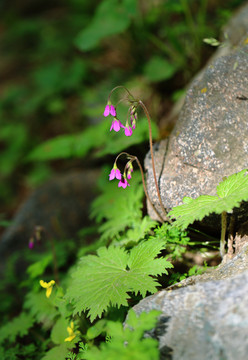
(153, 163)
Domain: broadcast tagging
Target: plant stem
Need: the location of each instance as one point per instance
(152, 158)
(55, 263)
(145, 189)
(230, 250)
(223, 233)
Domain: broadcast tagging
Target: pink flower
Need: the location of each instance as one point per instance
(133, 124)
(115, 173)
(129, 174)
(128, 131)
(123, 183)
(109, 109)
(31, 243)
(129, 170)
(116, 125)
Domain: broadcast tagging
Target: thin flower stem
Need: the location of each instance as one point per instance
(145, 190)
(152, 157)
(120, 87)
(55, 263)
(123, 153)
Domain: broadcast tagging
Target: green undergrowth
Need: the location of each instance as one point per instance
(73, 52)
(82, 319)
(98, 289)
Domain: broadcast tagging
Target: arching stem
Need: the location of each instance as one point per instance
(153, 162)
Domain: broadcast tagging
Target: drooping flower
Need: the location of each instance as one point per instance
(129, 170)
(109, 110)
(71, 332)
(116, 125)
(133, 116)
(115, 173)
(47, 286)
(133, 124)
(128, 131)
(123, 183)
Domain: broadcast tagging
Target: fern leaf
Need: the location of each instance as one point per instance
(41, 308)
(105, 279)
(230, 192)
(19, 326)
(138, 231)
(128, 342)
(118, 207)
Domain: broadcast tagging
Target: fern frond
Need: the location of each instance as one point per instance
(19, 326)
(129, 342)
(119, 208)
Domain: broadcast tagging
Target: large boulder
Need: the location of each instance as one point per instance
(204, 317)
(209, 140)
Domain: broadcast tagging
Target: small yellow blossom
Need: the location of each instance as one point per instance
(47, 286)
(71, 333)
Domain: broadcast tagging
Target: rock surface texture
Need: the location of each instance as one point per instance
(209, 140)
(204, 317)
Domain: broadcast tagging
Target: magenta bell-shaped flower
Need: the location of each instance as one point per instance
(116, 125)
(128, 131)
(115, 174)
(123, 183)
(109, 110)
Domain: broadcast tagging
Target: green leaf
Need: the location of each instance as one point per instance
(231, 191)
(175, 239)
(111, 18)
(129, 342)
(119, 208)
(106, 279)
(58, 352)
(211, 41)
(59, 332)
(41, 308)
(19, 326)
(94, 137)
(66, 146)
(144, 322)
(40, 266)
(158, 69)
(98, 328)
(60, 147)
(138, 232)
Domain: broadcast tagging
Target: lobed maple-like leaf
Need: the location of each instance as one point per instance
(230, 192)
(106, 278)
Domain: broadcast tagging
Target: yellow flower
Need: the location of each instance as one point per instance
(47, 286)
(71, 333)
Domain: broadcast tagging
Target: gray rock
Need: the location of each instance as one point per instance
(209, 140)
(61, 207)
(207, 320)
(231, 34)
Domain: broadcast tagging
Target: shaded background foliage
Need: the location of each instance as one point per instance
(59, 60)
